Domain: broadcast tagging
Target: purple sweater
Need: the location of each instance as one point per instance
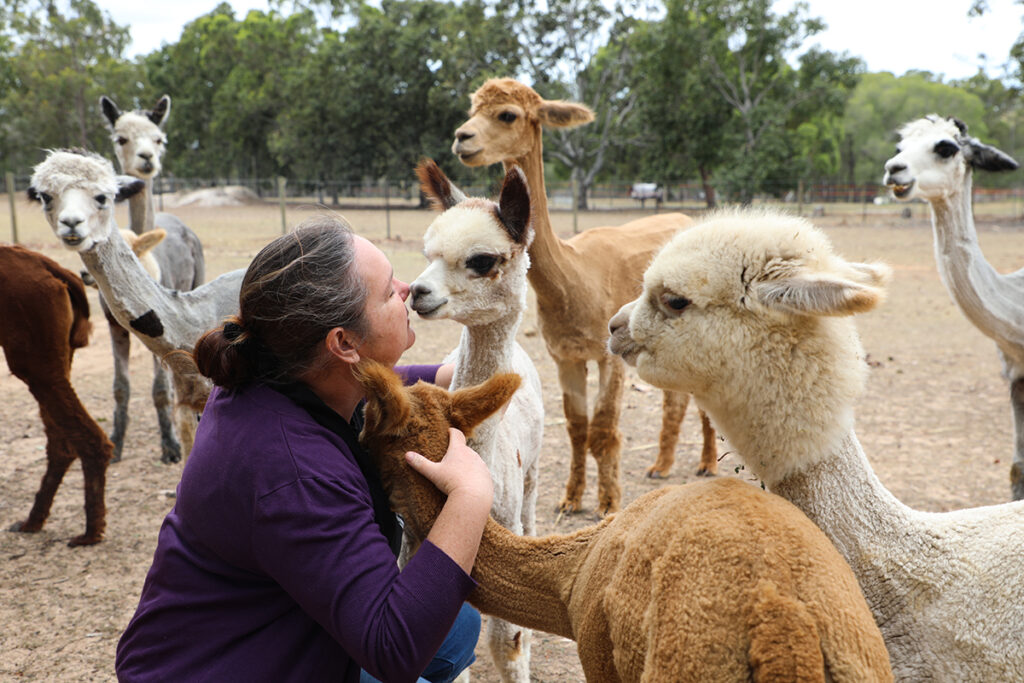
(270, 566)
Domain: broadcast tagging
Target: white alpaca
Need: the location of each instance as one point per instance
(477, 276)
(139, 143)
(749, 312)
(935, 161)
(77, 190)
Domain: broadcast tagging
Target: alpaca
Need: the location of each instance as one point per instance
(711, 581)
(477, 276)
(139, 142)
(44, 317)
(579, 284)
(750, 312)
(935, 159)
(77, 190)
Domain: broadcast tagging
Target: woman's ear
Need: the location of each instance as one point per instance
(343, 345)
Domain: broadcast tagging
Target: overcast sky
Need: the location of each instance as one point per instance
(890, 35)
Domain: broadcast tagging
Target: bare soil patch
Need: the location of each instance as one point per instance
(935, 422)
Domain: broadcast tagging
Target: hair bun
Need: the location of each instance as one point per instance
(232, 331)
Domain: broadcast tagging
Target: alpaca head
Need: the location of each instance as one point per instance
(935, 156)
(77, 190)
(477, 251)
(752, 309)
(142, 246)
(138, 136)
(504, 119)
(400, 418)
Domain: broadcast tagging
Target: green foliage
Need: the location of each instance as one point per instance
(55, 67)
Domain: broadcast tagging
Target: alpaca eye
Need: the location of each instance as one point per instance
(122, 140)
(675, 303)
(946, 148)
(507, 116)
(158, 141)
(481, 264)
(45, 197)
(101, 199)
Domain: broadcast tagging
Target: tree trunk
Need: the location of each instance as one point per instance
(709, 189)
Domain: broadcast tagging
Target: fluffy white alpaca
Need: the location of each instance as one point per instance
(77, 190)
(750, 312)
(477, 276)
(935, 161)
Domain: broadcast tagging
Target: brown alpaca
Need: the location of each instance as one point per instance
(44, 317)
(711, 581)
(580, 283)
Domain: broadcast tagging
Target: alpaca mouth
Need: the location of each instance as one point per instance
(466, 156)
(72, 240)
(622, 345)
(427, 309)
(899, 190)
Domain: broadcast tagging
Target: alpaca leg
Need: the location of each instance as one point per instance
(709, 452)
(572, 375)
(1017, 468)
(95, 459)
(186, 388)
(673, 410)
(163, 401)
(605, 440)
(120, 346)
(509, 646)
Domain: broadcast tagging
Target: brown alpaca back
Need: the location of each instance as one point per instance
(81, 328)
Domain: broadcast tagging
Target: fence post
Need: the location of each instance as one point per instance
(10, 199)
(575, 206)
(800, 197)
(387, 208)
(281, 180)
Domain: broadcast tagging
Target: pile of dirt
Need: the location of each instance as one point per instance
(229, 195)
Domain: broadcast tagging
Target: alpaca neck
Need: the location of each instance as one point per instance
(989, 300)
(483, 351)
(141, 211)
(135, 299)
(551, 272)
(529, 581)
(842, 495)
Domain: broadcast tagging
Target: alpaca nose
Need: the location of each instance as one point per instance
(463, 135)
(146, 155)
(71, 222)
(895, 167)
(418, 290)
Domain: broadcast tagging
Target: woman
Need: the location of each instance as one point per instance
(277, 561)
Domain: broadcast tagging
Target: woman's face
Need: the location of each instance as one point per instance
(389, 333)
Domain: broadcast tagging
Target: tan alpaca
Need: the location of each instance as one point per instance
(580, 283)
(712, 581)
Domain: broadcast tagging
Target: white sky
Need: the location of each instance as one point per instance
(889, 35)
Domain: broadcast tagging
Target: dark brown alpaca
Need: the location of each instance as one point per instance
(44, 317)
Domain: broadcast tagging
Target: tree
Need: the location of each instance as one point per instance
(55, 68)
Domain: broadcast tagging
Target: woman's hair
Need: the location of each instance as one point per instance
(298, 287)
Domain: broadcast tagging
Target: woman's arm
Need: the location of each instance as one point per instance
(444, 375)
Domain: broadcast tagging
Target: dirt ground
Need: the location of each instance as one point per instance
(935, 423)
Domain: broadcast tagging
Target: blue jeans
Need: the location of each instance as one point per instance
(455, 653)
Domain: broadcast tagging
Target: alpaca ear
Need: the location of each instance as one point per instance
(473, 405)
(148, 240)
(822, 293)
(514, 205)
(127, 187)
(33, 194)
(871, 274)
(988, 158)
(560, 114)
(161, 109)
(387, 403)
(110, 110)
(436, 186)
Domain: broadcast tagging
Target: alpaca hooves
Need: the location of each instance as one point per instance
(24, 528)
(705, 472)
(569, 507)
(653, 473)
(1016, 481)
(171, 456)
(85, 539)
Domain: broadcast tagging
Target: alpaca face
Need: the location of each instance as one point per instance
(139, 144)
(505, 119)
(746, 303)
(476, 249)
(77, 192)
(934, 157)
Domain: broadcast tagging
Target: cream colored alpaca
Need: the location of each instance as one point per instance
(750, 312)
(935, 161)
(77, 191)
(477, 276)
(713, 581)
(579, 284)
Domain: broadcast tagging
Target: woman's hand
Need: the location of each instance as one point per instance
(465, 479)
(460, 471)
